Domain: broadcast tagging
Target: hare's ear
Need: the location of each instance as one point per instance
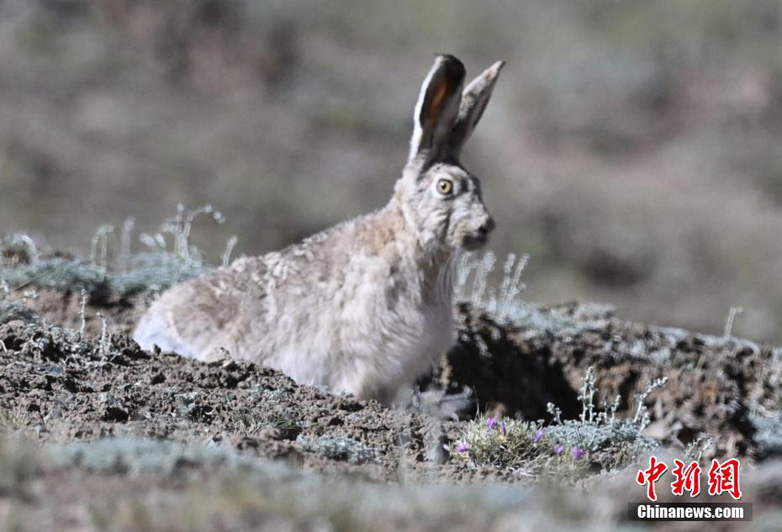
(437, 107)
(474, 100)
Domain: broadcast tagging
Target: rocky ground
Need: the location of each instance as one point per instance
(102, 435)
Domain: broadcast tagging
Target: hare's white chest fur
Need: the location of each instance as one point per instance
(364, 307)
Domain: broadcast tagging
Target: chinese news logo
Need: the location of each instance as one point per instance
(721, 478)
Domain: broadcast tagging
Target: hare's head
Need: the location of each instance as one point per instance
(440, 199)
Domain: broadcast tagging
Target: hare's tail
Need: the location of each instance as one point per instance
(152, 331)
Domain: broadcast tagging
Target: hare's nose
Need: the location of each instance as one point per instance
(487, 227)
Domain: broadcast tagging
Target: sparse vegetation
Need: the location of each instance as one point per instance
(246, 414)
(621, 123)
(170, 257)
(597, 92)
(340, 448)
(19, 464)
(15, 418)
(564, 449)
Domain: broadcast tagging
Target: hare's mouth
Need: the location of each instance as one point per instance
(475, 240)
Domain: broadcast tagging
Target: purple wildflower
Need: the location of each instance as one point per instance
(462, 447)
(539, 435)
(502, 428)
(491, 422)
(558, 449)
(578, 453)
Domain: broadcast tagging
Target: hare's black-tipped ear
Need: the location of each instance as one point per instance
(474, 100)
(437, 107)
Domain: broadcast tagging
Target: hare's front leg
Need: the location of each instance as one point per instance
(387, 396)
(366, 387)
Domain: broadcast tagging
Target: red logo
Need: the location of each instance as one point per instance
(651, 475)
(722, 478)
(725, 478)
(687, 479)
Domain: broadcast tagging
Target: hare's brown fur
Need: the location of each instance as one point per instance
(365, 306)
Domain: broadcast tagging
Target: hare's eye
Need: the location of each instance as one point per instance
(445, 186)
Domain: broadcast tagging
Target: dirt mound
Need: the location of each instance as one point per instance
(64, 309)
(67, 388)
(714, 385)
(120, 421)
(103, 384)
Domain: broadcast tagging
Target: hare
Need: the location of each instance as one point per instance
(365, 306)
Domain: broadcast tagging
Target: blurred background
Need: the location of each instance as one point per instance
(631, 148)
